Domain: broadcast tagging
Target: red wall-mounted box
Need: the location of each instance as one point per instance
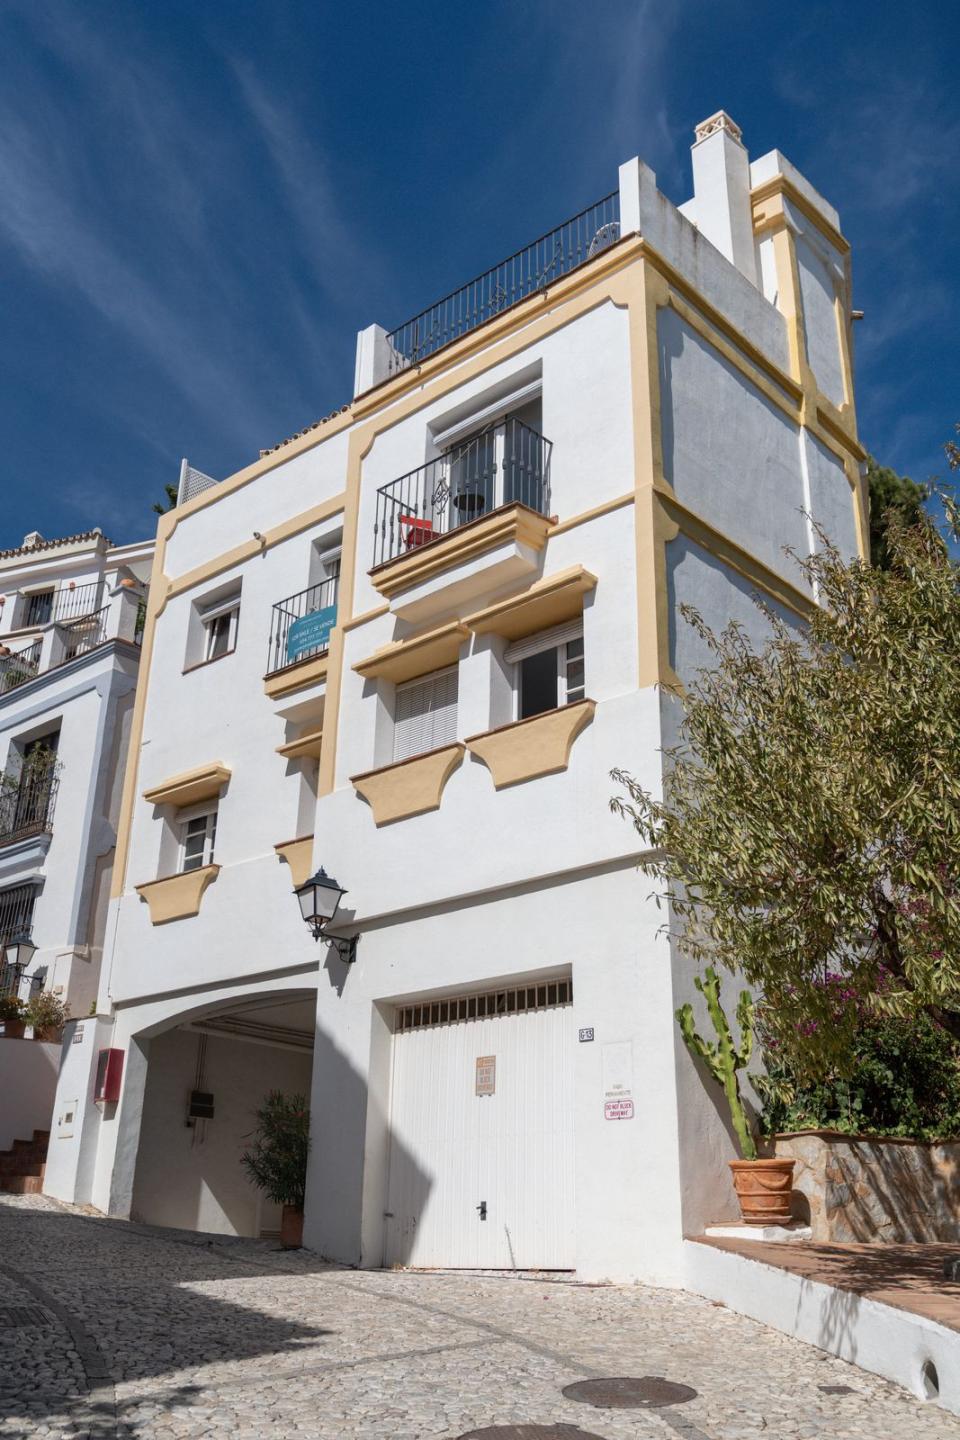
(109, 1075)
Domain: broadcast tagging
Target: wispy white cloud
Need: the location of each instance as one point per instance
(336, 249)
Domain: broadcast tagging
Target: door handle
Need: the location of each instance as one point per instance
(482, 1207)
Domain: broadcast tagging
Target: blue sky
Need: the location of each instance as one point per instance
(201, 203)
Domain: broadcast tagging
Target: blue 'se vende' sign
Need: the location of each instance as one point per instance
(311, 632)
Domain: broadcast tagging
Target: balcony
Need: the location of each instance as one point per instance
(27, 803)
(300, 629)
(75, 631)
(528, 272)
(508, 464)
(470, 520)
(18, 666)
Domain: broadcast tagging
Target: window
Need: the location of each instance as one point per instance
(220, 628)
(425, 717)
(198, 832)
(39, 608)
(549, 669)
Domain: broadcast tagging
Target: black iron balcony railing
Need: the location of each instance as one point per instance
(19, 666)
(27, 805)
(531, 269)
(81, 600)
(504, 465)
(300, 625)
(84, 634)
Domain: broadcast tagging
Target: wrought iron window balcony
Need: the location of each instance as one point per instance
(525, 273)
(27, 808)
(300, 625)
(506, 464)
(19, 666)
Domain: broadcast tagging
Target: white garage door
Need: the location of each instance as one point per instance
(481, 1150)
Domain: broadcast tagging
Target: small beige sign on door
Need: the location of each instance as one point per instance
(486, 1082)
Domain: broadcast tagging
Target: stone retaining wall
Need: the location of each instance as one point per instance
(861, 1188)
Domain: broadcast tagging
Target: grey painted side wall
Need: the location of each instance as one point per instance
(818, 297)
(727, 451)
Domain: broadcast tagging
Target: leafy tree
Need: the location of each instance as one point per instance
(903, 1079)
(171, 494)
(890, 492)
(810, 817)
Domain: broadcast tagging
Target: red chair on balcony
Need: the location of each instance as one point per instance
(415, 531)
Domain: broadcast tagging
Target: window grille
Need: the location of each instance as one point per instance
(545, 994)
(16, 911)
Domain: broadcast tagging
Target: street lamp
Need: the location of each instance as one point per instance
(319, 899)
(19, 950)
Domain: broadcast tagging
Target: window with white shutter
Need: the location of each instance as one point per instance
(425, 717)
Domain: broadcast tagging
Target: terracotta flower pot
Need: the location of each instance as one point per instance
(763, 1188)
(13, 1029)
(291, 1228)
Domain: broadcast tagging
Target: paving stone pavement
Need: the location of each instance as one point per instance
(155, 1333)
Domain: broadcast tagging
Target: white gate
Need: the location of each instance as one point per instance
(481, 1124)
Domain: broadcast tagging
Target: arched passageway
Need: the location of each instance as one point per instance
(206, 1075)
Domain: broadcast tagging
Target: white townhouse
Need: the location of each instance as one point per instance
(407, 646)
(71, 613)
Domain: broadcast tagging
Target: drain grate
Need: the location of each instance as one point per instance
(531, 1432)
(17, 1317)
(628, 1392)
(837, 1389)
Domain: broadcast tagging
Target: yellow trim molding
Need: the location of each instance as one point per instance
(410, 787)
(530, 748)
(204, 782)
(299, 857)
(177, 897)
(767, 206)
(510, 524)
(549, 602)
(309, 744)
(417, 655)
(294, 677)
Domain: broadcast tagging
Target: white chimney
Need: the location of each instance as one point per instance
(721, 191)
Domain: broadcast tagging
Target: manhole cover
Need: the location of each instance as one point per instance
(16, 1317)
(531, 1432)
(627, 1392)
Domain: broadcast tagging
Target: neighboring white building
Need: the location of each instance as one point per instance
(71, 612)
(640, 410)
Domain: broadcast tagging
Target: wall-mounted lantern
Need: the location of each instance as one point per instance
(19, 951)
(319, 899)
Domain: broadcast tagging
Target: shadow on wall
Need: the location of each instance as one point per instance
(876, 1190)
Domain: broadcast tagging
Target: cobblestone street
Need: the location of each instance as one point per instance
(152, 1333)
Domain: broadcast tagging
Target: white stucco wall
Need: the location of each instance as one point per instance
(190, 1176)
(28, 1079)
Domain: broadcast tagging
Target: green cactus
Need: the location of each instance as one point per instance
(724, 1059)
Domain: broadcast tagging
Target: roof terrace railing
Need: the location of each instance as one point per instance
(530, 270)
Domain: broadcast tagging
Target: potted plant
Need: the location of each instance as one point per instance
(47, 1014)
(11, 1017)
(763, 1186)
(276, 1160)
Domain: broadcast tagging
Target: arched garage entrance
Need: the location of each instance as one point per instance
(205, 1079)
